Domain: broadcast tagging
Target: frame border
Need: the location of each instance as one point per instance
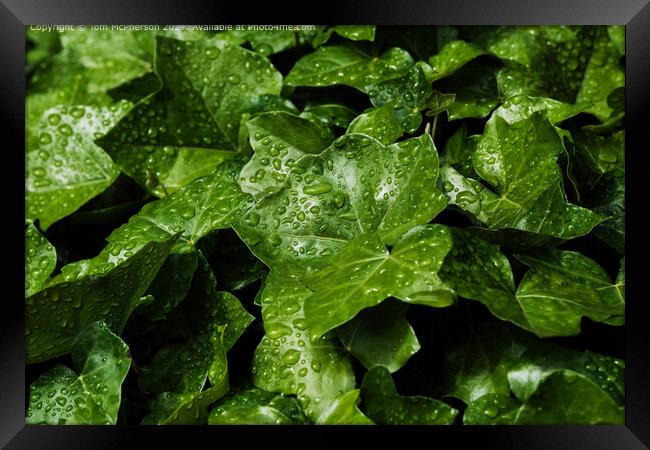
(15, 14)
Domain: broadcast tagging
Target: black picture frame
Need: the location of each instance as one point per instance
(635, 14)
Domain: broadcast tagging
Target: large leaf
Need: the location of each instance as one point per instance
(380, 336)
(354, 186)
(286, 361)
(365, 273)
(338, 64)
(67, 169)
(192, 123)
(560, 288)
(92, 394)
(519, 161)
(384, 405)
(40, 260)
(109, 290)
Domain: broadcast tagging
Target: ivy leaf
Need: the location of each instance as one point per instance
(264, 42)
(452, 57)
(40, 260)
(286, 361)
(408, 95)
(111, 58)
(344, 410)
(67, 169)
(529, 185)
(205, 205)
(475, 92)
(365, 273)
(608, 199)
(208, 316)
(479, 365)
(171, 284)
(108, 290)
(563, 286)
(381, 123)
(568, 387)
(186, 128)
(352, 32)
(380, 336)
(92, 394)
(278, 139)
(191, 408)
(349, 66)
(384, 405)
(354, 186)
(332, 114)
(257, 407)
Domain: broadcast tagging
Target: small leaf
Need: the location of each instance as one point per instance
(40, 260)
(384, 405)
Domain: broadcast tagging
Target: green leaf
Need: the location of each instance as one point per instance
(475, 92)
(331, 114)
(528, 184)
(171, 408)
(92, 394)
(189, 126)
(349, 66)
(111, 58)
(67, 169)
(179, 372)
(380, 336)
(264, 42)
(257, 407)
(408, 95)
(171, 284)
(286, 361)
(452, 57)
(608, 199)
(365, 273)
(207, 204)
(352, 32)
(278, 139)
(344, 410)
(479, 364)
(380, 123)
(603, 74)
(354, 186)
(563, 286)
(458, 153)
(109, 289)
(40, 260)
(558, 386)
(384, 405)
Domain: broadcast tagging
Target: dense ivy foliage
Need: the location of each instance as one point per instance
(336, 225)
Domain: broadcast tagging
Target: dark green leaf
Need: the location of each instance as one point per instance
(380, 336)
(92, 394)
(384, 405)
